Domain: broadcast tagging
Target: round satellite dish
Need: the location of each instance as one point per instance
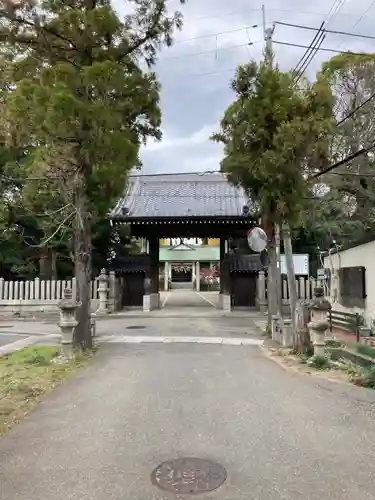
(257, 239)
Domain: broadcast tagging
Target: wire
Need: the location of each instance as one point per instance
(360, 19)
(215, 34)
(364, 14)
(220, 49)
(311, 55)
(209, 73)
(289, 44)
(345, 33)
(319, 37)
(372, 96)
(300, 62)
(344, 161)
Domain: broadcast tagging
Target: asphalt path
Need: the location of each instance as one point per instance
(279, 435)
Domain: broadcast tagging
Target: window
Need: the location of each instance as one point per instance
(352, 283)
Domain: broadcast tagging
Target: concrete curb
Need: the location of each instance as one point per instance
(154, 339)
(21, 344)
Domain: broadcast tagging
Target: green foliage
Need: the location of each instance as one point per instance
(364, 379)
(273, 135)
(365, 349)
(320, 362)
(85, 102)
(347, 211)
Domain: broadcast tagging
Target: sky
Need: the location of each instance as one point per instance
(217, 36)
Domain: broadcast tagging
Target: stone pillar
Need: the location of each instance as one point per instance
(67, 322)
(302, 288)
(166, 276)
(287, 333)
(103, 292)
(143, 245)
(154, 264)
(319, 322)
(194, 275)
(198, 276)
(222, 255)
(262, 301)
(276, 328)
(111, 292)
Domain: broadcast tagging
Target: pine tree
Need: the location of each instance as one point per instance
(82, 91)
(274, 134)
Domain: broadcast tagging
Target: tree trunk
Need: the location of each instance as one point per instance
(82, 263)
(45, 264)
(301, 336)
(278, 271)
(272, 271)
(53, 265)
(292, 286)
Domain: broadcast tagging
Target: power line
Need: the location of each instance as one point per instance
(364, 14)
(324, 49)
(318, 39)
(311, 54)
(286, 11)
(372, 96)
(360, 19)
(220, 49)
(300, 62)
(344, 161)
(216, 34)
(335, 32)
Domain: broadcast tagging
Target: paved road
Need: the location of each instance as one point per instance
(8, 338)
(280, 436)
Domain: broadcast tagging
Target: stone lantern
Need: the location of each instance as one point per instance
(67, 321)
(103, 292)
(318, 325)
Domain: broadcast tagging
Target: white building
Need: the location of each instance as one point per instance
(351, 280)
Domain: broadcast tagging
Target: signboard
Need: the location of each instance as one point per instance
(300, 261)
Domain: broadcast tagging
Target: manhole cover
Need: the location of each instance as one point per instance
(135, 327)
(189, 476)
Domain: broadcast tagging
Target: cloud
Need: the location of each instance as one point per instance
(171, 142)
(195, 73)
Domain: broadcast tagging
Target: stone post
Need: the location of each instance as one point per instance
(112, 291)
(103, 292)
(287, 334)
(275, 328)
(198, 276)
(262, 301)
(166, 276)
(319, 323)
(67, 322)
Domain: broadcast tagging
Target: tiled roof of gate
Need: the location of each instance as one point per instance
(186, 195)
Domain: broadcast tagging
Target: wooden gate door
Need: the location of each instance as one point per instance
(133, 290)
(243, 290)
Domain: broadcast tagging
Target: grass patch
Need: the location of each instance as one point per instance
(365, 349)
(27, 375)
(320, 362)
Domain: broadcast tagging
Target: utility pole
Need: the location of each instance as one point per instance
(267, 32)
(276, 268)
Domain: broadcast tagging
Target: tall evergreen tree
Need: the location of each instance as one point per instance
(82, 91)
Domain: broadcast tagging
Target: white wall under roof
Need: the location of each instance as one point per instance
(361, 255)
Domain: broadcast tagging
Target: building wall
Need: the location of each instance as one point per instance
(168, 242)
(184, 254)
(362, 255)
